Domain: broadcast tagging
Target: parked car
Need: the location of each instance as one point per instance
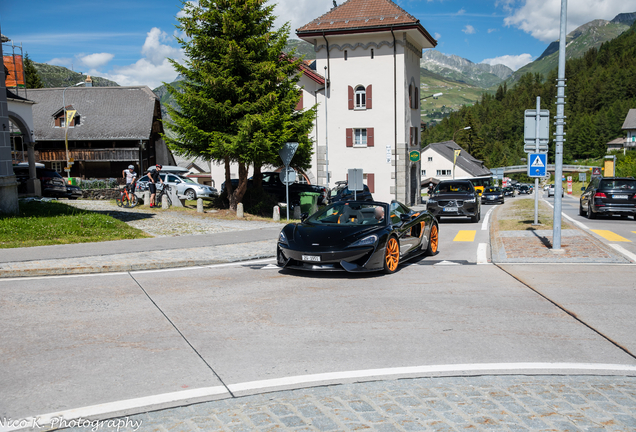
(341, 192)
(492, 194)
(609, 196)
(551, 190)
(52, 183)
(357, 236)
(455, 198)
(73, 192)
(509, 191)
(525, 189)
(186, 188)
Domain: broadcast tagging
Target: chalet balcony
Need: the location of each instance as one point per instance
(91, 155)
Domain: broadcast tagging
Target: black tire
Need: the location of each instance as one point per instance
(280, 259)
(191, 194)
(118, 201)
(391, 255)
(133, 200)
(433, 241)
(476, 217)
(590, 213)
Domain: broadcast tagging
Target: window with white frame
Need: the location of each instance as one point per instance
(443, 173)
(56, 166)
(430, 158)
(360, 97)
(423, 173)
(359, 137)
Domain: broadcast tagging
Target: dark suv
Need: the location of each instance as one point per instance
(609, 195)
(341, 192)
(52, 183)
(455, 198)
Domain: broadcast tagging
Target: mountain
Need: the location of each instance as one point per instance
(59, 76)
(302, 48)
(590, 35)
(462, 70)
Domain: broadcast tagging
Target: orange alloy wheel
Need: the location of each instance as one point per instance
(434, 238)
(392, 257)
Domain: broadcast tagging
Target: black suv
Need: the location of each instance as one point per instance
(52, 183)
(609, 195)
(341, 192)
(455, 198)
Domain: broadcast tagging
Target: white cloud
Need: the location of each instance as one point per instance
(96, 60)
(462, 11)
(300, 12)
(469, 29)
(57, 61)
(491, 30)
(437, 36)
(541, 18)
(512, 61)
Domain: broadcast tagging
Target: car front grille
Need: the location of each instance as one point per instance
(448, 203)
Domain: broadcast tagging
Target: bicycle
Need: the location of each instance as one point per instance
(164, 191)
(126, 198)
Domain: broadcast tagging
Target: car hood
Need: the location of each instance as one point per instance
(454, 196)
(305, 234)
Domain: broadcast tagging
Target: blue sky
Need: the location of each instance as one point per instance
(129, 41)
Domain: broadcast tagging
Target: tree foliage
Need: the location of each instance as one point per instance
(237, 102)
(601, 88)
(31, 75)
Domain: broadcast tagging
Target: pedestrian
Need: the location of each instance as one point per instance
(131, 178)
(430, 189)
(154, 177)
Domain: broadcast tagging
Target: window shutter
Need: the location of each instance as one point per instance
(417, 99)
(370, 137)
(349, 136)
(58, 122)
(410, 95)
(411, 136)
(371, 182)
(369, 96)
(350, 97)
(299, 105)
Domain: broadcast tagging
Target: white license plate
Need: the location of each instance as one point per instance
(311, 258)
(450, 209)
(619, 196)
(491, 197)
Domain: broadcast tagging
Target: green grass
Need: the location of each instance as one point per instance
(51, 223)
(519, 215)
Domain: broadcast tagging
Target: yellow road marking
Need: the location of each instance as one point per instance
(608, 235)
(465, 235)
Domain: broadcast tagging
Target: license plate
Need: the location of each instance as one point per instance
(311, 258)
(450, 209)
(491, 197)
(619, 196)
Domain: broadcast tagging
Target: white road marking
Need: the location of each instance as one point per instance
(270, 267)
(484, 224)
(482, 253)
(624, 251)
(111, 409)
(446, 263)
(569, 218)
(60, 276)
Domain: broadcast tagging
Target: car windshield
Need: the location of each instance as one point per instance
(627, 184)
(492, 189)
(453, 188)
(187, 180)
(350, 213)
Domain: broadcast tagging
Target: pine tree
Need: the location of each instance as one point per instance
(33, 80)
(237, 102)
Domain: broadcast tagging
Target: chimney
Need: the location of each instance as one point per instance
(89, 82)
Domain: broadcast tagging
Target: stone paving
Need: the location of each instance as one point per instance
(482, 403)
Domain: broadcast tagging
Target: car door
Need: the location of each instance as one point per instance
(176, 184)
(403, 224)
(589, 193)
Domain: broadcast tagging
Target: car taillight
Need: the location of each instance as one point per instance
(599, 195)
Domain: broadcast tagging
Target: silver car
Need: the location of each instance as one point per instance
(185, 187)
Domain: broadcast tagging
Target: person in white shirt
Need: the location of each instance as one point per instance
(131, 177)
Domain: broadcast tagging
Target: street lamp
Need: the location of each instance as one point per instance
(455, 133)
(66, 123)
(433, 95)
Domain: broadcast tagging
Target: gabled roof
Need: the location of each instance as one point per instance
(360, 16)
(106, 113)
(312, 74)
(465, 161)
(630, 120)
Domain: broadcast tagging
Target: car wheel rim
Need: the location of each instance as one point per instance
(434, 239)
(392, 254)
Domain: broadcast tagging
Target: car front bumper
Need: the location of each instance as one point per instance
(359, 259)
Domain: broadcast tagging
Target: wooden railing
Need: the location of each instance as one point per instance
(91, 155)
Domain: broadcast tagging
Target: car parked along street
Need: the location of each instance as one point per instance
(186, 188)
(609, 196)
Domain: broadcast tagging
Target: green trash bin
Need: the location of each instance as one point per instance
(308, 202)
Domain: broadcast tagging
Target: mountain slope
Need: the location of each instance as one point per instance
(59, 76)
(462, 70)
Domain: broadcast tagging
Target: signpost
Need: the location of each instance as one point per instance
(354, 181)
(286, 154)
(414, 155)
(536, 134)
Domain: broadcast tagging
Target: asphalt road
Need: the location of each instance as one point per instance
(161, 337)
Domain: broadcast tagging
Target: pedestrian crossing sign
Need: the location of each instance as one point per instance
(537, 164)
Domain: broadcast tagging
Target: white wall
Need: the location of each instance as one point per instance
(439, 162)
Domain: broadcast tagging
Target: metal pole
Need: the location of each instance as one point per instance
(68, 173)
(536, 149)
(327, 87)
(560, 122)
(287, 192)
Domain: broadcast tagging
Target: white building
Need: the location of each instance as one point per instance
(437, 163)
(366, 82)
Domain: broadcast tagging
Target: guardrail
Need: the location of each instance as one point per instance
(550, 167)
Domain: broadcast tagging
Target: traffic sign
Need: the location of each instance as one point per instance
(287, 176)
(355, 179)
(414, 155)
(530, 124)
(537, 164)
(287, 152)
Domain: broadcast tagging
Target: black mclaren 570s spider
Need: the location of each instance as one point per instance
(357, 236)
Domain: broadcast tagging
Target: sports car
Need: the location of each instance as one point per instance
(357, 236)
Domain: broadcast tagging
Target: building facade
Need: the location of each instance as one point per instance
(438, 163)
(366, 81)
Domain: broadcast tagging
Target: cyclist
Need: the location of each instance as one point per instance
(154, 177)
(131, 177)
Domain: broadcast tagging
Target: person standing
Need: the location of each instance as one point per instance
(131, 177)
(154, 178)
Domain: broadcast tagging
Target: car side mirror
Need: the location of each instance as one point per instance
(304, 216)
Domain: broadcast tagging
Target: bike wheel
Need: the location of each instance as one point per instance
(133, 200)
(118, 201)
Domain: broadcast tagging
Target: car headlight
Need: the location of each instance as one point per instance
(367, 241)
(432, 201)
(282, 238)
